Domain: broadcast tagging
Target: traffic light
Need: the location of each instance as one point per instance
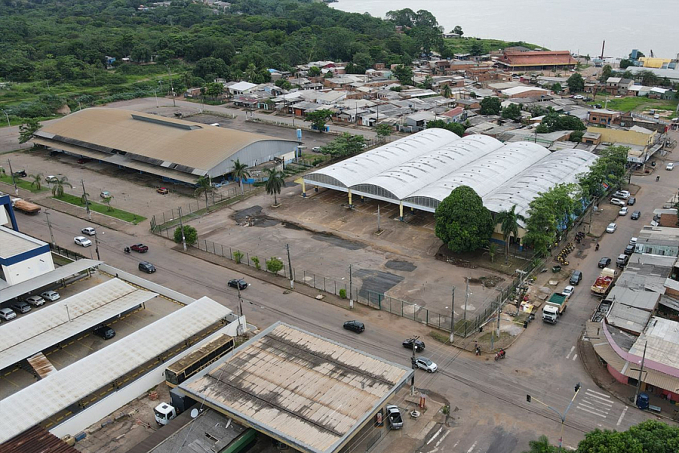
(577, 387)
(528, 398)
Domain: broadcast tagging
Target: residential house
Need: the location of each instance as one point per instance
(418, 121)
(240, 88)
(661, 93)
(469, 104)
(603, 116)
(456, 115)
(524, 92)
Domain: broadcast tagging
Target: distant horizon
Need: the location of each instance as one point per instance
(575, 25)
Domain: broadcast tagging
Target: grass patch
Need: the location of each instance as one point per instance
(60, 260)
(26, 185)
(485, 338)
(103, 209)
(464, 44)
(440, 337)
(635, 104)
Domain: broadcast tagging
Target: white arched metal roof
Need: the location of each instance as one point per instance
(402, 180)
(484, 174)
(559, 167)
(358, 169)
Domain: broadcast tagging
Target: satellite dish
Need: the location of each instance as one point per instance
(194, 413)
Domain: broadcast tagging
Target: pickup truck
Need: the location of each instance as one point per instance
(394, 417)
(603, 282)
(554, 307)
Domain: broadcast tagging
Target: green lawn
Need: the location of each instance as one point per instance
(23, 184)
(635, 104)
(103, 209)
(464, 44)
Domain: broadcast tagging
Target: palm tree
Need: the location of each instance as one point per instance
(446, 92)
(37, 181)
(84, 198)
(107, 200)
(240, 171)
(58, 187)
(204, 187)
(509, 225)
(274, 183)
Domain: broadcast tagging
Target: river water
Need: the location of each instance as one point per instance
(580, 26)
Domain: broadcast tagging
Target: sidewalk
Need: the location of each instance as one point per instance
(625, 393)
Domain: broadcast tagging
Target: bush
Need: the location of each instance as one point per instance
(343, 293)
(190, 234)
(237, 256)
(255, 260)
(274, 265)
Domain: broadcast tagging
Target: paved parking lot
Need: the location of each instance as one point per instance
(85, 343)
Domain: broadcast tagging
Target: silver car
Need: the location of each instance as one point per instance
(425, 364)
(50, 295)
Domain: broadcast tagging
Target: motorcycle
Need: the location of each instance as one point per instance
(500, 355)
(126, 250)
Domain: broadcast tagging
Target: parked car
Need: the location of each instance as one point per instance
(147, 267)
(635, 215)
(84, 160)
(576, 276)
(629, 249)
(238, 283)
(355, 326)
(411, 343)
(316, 149)
(670, 166)
(618, 202)
(7, 314)
(622, 260)
(578, 96)
(55, 153)
(611, 228)
(623, 211)
(105, 194)
(633, 241)
(51, 178)
(20, 174)
(568, 291)
(141, 248)
(603, 262)
(104, 332)
(162, 190)
(89, 231)
(50, 295)
(424, 363)
(82, 241)
(631, 201)
(624, 194)
(394, 417)
(21, 306)
(36, 301)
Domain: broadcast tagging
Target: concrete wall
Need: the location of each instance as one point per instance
(621, 136)
(28, 268)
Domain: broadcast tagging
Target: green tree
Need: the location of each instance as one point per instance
(345, 145)
(141, 53)
(274, 265)
(609, 169)
(462, 222)
(404, 74)
(456, 128)
(28, 129)
(274, 183)
(240, 172)
(541, 445)
(209, 68)
(458, 31)
(576, 136)
(512, 112)
(58, 187)
(204, 187)
(490, 106)
(37, 180)
(477, 48)
(648, 78)
(314, 71)
(190, 235)
(556, 87)
(555, 122)
(214, 89)
(509, 225)
(251, 73)
(625, 63)
(383, 130)
(446, 92)
(575, 83)
(107, 201)
(492, 251)
(318, 118)
(649, 436)
(283, 84)
(606, 72)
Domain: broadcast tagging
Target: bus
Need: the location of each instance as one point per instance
(186, 367)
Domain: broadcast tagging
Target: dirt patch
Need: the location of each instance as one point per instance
(490, 281)
(338, 241)
(400, 265)
(253, 216)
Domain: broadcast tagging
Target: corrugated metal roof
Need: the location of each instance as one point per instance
(628, 318)
(36, 440)
(35, 332)
(59, 390)
(305, 390)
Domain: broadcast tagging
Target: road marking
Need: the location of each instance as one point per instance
(600, 400)
(591, 412)
(472, 447)
(597, 393)
(622, 416)
(436, 434)
(589, 405)
(568, 356)
(575, 356)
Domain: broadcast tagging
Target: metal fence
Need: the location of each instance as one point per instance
(65, 253)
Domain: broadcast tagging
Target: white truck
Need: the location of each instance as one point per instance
(554, 307)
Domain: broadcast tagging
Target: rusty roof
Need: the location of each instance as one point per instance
(304, 390)
(36, 440)
(537, 58)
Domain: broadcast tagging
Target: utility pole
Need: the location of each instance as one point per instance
(292, 277)
(87, 203)
(96, 244)
(452, 317)
(49, 225)
(240, 311)
(11, 172)
(466, 300)
(181, 227)
(562, 417)
(412, 361)
(378, 219)
(174, 103)
(351, 290)
(641, 370)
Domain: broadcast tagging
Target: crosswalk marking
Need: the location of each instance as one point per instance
(597, 393)
(595, 403)
(568, 356)
(587, 410)
(622, 416)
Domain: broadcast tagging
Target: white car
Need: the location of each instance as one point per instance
(7, 314)
(51, 178)
(633, 241)
(316, 149)
(36, 301)
(50, 295)
(568, 291)
(88, 231)
(670, 166)
(624, 194)
(426, 364)
(618, 202)
(611, 228)
(623, 211)
(578, 96)
(82, 241)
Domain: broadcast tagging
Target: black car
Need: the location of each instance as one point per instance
(238, 283)
(356, 326)
(20, 174)
(631, 201)
(411, 343)
(147, 267)
(104, 332)
(605, 261)
(629, 250)
(636, 215)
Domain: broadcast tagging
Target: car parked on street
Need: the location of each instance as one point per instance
(7, 314)
(424, 363)
(105, 194)
(635, 215)
(568, 291)
(611, 228)
(21, 307)
(316, 149)
(50, 295)
(238, 283)
(631, 201)
(603, 262)
(411, 343)
(355, 326)
(20, 174)
(82, 241)
(576, 277)
(147, 267)
(623, 211)
(36, 301)
(104, 332)
(624, 194)
(618, 202)
(141, 248)
(394, 417)
(670, 166)
(89, 231)
(629, 249)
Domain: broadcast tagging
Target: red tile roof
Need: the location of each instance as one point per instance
(36, 440)
(454, 112)
(537, 58)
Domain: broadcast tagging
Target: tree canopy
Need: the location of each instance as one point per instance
(490, 106)
(555, 122)
(575, 83)
(318, 118)
(456, 128)
(344, 146)
(462, 222)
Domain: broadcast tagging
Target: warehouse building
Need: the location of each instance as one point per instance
(174, 149)
(421, 170)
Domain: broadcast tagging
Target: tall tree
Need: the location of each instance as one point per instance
(575, 83)
(606, 72)
(240, 171)
(204, 187)
(274, 183)
(383, 130)
(458, 30)
(541, 445)
(490, 106)
(509, 225)
(318, 118)
(462, 222)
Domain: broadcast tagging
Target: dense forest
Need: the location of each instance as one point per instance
(54, 52)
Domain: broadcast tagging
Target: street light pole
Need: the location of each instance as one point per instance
(87, 203)
(96, 244)
(49, 225)
(562, 417)
(292, 277)
(641, 370)
(351, 290)
(16, 189)
(452, 317)
(181, 227)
